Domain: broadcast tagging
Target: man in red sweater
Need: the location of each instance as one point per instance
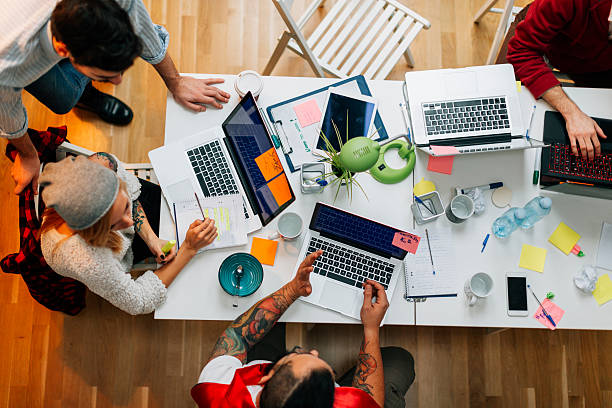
(574, 37)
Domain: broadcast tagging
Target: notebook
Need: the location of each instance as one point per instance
(420, 279)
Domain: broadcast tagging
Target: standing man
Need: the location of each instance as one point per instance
(574, 37)
(243, 370)
(54, 49)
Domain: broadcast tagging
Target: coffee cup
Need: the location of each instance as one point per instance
(289, 227)
(248, 81)
(460, 209)
(479, 286)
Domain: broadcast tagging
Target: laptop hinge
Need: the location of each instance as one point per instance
(473, 140)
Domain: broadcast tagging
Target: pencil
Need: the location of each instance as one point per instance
(178, 245)
(199, 205)
(429, 247)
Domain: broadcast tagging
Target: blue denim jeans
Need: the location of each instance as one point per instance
(60, 88)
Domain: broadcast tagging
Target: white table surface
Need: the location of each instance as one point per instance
(196, 293)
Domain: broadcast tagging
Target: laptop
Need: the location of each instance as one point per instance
(226, 160)
(354, 249)
(475, 109)
(565, 173)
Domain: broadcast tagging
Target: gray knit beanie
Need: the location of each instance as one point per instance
(80, 190)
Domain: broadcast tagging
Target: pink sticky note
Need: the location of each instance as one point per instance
(553, 310)
(442, 164)
(406, 241)
(444, 150)
(308, 112)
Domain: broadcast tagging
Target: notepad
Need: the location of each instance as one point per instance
(604, 252)
(264, 250)
(308, 112)
(564, 238)
(603, 289)
(532, 258)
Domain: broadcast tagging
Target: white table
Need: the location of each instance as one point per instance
(196, 293)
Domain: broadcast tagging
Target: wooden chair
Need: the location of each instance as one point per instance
(356, 37)
(507, 16)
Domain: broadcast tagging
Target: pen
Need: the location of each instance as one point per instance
(536, 166)
(490, 186)
(543, 310)
(530, 121)
(199, 205)
(418, 200)
(429, 248)
(178, 246)
(406, 120)
(484, 243)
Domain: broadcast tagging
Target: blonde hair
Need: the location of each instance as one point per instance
(100, 234)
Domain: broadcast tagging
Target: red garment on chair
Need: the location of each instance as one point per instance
(48, 288)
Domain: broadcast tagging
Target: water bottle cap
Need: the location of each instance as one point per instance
(520, 213)
(545, 202)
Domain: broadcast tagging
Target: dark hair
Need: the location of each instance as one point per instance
(285, 390)
(98, 33)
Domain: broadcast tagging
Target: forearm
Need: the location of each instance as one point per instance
(169, 271)
(250, 327)
(559, 100)
(141, 223)
(369, 375)
(24, 146)
(168, 72)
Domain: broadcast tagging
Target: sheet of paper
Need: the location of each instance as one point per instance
(280, 189)
(269, 164)
(564, 238)
(553, 310)
(419, 273)
(442, 164)
(264, 250)
(533, 258)
(604, 252)
(444, 150)
(308, 112)
(603, 289)
(227, 213)
(407, 241)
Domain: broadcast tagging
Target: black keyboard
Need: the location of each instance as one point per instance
(466, 116)
(249, 150)
(347, 265)
(562, 162)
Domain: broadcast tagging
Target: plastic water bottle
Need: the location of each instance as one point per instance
(535, 210)
(508, 222)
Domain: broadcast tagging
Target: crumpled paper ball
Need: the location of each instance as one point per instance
(586, 279)
(479, 201)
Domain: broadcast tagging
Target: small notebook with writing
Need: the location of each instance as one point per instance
(422, 279)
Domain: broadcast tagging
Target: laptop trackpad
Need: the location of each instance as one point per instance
(338, 297)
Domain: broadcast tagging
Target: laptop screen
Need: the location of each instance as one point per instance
(257, 162)
(357, 231)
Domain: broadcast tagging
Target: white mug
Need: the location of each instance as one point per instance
(479, 286)
(289, 227)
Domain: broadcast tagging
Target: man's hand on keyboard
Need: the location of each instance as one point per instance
(300, 284)
(372, 314)
(584, 133)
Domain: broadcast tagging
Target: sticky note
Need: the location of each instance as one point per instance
(444, 150)
(406, 241)
(264, 250)
(442, 164)
(554, 311)
(564, 238)
(533, 258)
(308, 112)
(519, 87)
(603, 289)
(269, 164)
(280, 189)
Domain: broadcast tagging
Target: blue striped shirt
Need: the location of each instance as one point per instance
(26, 52)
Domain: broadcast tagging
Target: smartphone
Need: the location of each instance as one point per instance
(516, 289)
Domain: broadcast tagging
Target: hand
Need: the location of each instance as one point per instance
(300, 284)
(26, 170)
(583, 130)
(372, 314)
(192, 92)
(156, 245)
(200, 234)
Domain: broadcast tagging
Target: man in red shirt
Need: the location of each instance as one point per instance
(236, 374)
(574, 37)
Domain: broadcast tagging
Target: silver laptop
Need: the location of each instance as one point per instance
(475, 109)
(354, 249)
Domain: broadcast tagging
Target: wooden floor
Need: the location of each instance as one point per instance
(105, 358)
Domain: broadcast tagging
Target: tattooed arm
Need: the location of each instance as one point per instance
(369, 375)
(251, 326)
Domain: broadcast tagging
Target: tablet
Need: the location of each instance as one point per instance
(352, 111)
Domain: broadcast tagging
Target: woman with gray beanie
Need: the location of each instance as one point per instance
(89, 226)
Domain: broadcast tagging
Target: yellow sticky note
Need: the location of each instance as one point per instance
(603, 289)
(264, 250)
(518, 86)
(564, 238)
(532, 258)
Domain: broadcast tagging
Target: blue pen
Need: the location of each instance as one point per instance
(484, 243)
(418, 200)
(550, 319)
(530, 121)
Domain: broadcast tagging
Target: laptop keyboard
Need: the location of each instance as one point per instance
(346, 265)
(466, 116)
(562, 162)
(249, 150)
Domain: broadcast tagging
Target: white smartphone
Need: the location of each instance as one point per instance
(516, 290)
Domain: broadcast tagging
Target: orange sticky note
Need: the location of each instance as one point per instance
(269, 164)
(442, 164)
(264, 250)
(280, 189)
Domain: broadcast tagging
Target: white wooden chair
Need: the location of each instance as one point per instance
(356, 37)
(507, 17)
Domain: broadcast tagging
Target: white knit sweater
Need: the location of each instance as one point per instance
(104, 272)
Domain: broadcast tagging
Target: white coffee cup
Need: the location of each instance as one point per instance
(479, 286)
(248, 81)
(289, 227)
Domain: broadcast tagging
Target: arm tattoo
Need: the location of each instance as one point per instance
(138, 215)
(250, 327)
(366, 366)
(105, 159)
